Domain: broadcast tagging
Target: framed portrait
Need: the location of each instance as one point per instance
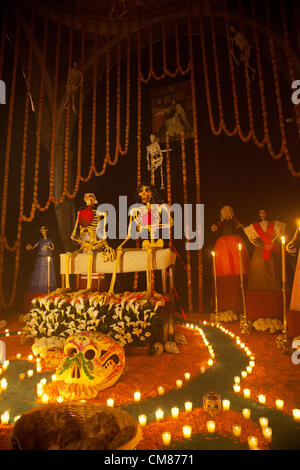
(172, 111)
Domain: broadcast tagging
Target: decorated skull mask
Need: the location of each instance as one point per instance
(212, 403)
(91, 362)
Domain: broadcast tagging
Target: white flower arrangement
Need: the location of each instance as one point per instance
(128, 321)
(265, 324)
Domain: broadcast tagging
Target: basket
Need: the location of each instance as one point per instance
(27, 426)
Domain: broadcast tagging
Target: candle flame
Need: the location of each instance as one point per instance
(213, 253)
(240, 246)
(282, 240)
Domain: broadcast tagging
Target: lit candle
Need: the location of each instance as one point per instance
(279, 404)
(263, 422)
(210, 362)
(43, 381)
(18, 356)
(262, 399)
(188, 406)
(296, 414)
(142, 420)
(30, 373)
(30, 357)
(22, 376)
(160, 390)
(178, 383)
(252, 442)
(3, 384)
(251, 363)
(215, 281)
(53, 378)
(5, 365)
(175, 412)
(166, 438)
(236, 388)
(38, 368)
(49, 259)
(267, 432)
(211, 426)
(16, 418)
(45, 398)
(247, 392)
(187, 376)
(59, 399)
(237, 379)
(159, 414)
(246, 413)
(244, 374)
(283, 260)
(236, 430)
(187, 432)
(137, 396)
(249, 369)
(5, 417)
(226, 404)
(110, 402)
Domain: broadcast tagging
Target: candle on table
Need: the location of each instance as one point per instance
(166, 438)
(236, 430)
(279, 404)
(211, 426)
(246, 413)
(187, 432)
(142, 420)
(175, 412)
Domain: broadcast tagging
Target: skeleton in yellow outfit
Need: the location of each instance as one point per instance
(87, 222)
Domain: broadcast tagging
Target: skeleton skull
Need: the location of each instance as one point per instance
(156, 349)
(171, 347)
(91, 362)
(179, 338)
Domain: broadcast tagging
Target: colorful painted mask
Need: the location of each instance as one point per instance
(91, 362)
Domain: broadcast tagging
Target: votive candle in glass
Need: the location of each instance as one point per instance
(137, 396)
(110, 402)
(187, 376)
(236, 388)
(247, 392)
(3, 384)
(262, 399)
(178, 383)
(166, 438)
(175, 412)
(236, 430)
(296, 414)
(263, 422)
(30, 373)
(142, 420)
(159, 414)
(279, 404)
(252, 442)
(211, 426)
(246, 413)
(187, 431)
(188, 406)
(237, 379)
(267, 432)
(5, 417)
(160, 390)
(226, 404)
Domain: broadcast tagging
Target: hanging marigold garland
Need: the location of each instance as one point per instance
(188, 222)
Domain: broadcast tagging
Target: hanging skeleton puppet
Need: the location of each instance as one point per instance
(155, 159)
(238, 39)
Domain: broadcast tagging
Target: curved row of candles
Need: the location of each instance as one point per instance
(186, 430)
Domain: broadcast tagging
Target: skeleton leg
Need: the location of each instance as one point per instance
(90, 270)
(114, 274)
(67, 273)
(148, 270)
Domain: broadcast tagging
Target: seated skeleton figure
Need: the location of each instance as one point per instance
(87, 222)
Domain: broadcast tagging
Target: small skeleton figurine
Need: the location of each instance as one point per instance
(88, 220)
(241, 42)
(74, 80)
(156, 158)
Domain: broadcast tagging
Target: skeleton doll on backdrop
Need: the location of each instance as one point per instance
(149, 216)
(88, 220)
(239, 40)
(155, 159)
